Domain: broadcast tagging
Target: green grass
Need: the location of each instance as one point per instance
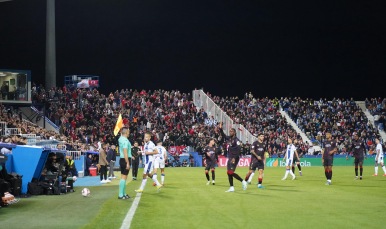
(186, 202)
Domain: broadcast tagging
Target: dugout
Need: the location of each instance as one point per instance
(29, 161)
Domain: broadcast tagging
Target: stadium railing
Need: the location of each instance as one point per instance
(201, 100)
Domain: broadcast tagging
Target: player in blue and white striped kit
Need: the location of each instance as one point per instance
(289, 157)
(159, 161)
(149, 151)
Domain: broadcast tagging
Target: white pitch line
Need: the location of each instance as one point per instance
(130, 214)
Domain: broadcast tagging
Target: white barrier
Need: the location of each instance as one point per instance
(201, 100)
(75, 154)
(3, 126)
(12, 131)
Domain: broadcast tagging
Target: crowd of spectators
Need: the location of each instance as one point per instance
(377, 107)
(342, 117)
(260, 116)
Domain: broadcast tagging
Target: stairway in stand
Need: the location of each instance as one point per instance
(298, 130)
(370, 117)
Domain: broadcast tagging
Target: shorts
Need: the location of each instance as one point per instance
(210, 166)
(288, 162)
(159, 163)
(123, 164)
(328, 162)
(148, 167)
(380, 160)
(231, 167)
(358, 160)
(294, 160)
(258, 165)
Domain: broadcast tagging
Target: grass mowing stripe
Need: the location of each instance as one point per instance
(186, 202)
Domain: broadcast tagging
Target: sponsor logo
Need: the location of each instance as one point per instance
(272, 162)
(243, 162)
(302, 163)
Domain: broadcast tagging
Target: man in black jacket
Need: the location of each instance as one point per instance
(111, 157)
(136, 155)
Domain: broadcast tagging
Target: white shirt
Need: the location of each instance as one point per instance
(379, 147)
(290, 151)
(161, 152)
(149, 147)
(311, 150)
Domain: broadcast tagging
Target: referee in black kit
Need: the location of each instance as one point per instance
(135, 156)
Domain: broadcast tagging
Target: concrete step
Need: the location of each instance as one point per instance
(370, 117)
(299, 131)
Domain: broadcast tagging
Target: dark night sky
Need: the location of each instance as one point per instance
(272, 48)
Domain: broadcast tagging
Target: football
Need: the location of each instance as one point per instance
(85, 192)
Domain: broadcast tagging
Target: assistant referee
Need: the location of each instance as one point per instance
(124, 162)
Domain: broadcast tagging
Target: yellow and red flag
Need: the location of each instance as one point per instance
(118, 126)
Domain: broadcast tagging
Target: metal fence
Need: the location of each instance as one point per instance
(12, 131)
(202, 101)
(3, 126)
(75, 154)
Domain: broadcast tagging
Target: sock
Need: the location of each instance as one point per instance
(250, 176)
(143, 183)
(162, 178)
(384, 169)
(356, 171)
(230, 178)
(235, 175)
(122, 185)
(154, 178)
(207, 176)
(361, 170)
(286, 173)
(299, 167)
(213, 175)
(260, 181)
(326, 173)
(246, 178)
(291, 173)
(330, 174)
(376, 170)
(293, 169)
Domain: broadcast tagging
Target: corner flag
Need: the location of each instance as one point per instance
(118, 126)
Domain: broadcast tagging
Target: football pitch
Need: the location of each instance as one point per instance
(187, 202)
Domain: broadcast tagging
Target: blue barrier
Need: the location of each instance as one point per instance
(197, 159)
(80, 164)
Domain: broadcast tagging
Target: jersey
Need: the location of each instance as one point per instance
(298, 148)
(149, 147)
(124, 144)
(329, 145)
(161, 152)
(233, 143)
(358, 149)
(212, 154)
(379, 147)
(260, 149)
(289, 154)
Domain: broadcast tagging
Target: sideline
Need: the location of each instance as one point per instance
(130, 214)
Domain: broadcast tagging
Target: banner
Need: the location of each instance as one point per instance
(243, 162)
(173, 150)
(308, 162)
(88, 83)
(304, 162)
